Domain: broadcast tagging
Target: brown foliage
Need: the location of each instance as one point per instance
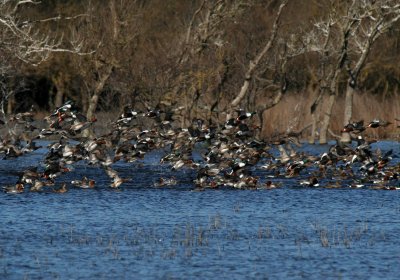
(195, 54)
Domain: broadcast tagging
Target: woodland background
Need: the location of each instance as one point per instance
(289, 61)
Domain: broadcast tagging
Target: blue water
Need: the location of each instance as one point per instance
(143, 232)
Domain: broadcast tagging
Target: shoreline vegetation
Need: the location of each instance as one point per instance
(297, 65)
(280, 120)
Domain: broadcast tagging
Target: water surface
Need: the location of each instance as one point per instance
(174, 232)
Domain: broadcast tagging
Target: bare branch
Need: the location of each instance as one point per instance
(254, 63)
(25, 41)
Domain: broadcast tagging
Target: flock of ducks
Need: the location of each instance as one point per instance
(231, 154)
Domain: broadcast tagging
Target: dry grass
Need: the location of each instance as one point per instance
(293, 113)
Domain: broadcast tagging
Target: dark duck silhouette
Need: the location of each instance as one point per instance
(243, 115)
(355, 127)
(378, 123)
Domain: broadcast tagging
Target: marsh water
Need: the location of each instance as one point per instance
(142, 231)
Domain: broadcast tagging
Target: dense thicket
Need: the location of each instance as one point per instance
(191, 55)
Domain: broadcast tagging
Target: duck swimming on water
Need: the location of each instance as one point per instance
(17, 188)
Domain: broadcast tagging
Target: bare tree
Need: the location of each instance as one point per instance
(202, 58)
(271, 80)
(253, 64)
(25, 40)
(330, 41)
(109, 30)
(28, 40)
(103, 64)
(343, 40)
(375, 18)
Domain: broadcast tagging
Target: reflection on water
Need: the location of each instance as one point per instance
(173, 232)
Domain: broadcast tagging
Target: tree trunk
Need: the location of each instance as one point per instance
(241, 94)
(59, 81)
(253, 64)
(311, 138)
(260, 131)
(348, 112)
(58, 101)
(327, 119)
(104, 73)
(315, 117)
(94, 99)
(10, 104)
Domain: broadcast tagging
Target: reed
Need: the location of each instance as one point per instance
(189, 241)
(215, 222)
(323, 236)
(344, 236)
(366, 107)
